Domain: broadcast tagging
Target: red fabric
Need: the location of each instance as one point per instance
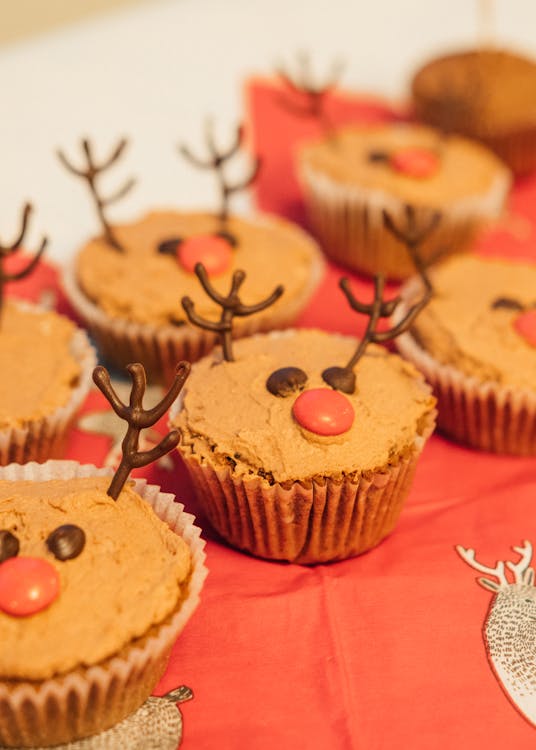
(382, 651)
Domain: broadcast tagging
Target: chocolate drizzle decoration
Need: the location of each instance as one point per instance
(66, 542)
(6, 250)
(9, 545)
(90, 172)
(216, 161)
(311, 95)
(139, 418)
(286, 381)
(231, 306)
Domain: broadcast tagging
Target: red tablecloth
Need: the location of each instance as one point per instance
(382, 651)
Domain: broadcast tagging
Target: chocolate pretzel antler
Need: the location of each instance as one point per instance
(138, 418)
(302, 83)
(413, 236)
(90, 173)
(231, 306)
(6, 250)
(216, 161)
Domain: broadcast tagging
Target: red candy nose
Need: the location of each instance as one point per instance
(212, 251)
(27, 585)
(323, 411)
(415, 162)
(525, 325)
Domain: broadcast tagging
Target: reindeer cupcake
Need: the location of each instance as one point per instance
(302, 445)
(125, 282)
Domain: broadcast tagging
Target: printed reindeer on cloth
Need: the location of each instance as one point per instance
(510, 628)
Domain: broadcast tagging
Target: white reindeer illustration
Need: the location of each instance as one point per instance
(510, 628)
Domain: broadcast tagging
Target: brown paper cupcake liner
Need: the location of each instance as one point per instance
(348, 222)
(46, 436)
(484, 415)
(160, 348)
(92, 699)
(319, 520)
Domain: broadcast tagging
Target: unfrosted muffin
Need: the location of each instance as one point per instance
(93, 592)
(351, 179)
(487, 94)
(46, 374)
(290, 469)
(130, 300)
(476, 345)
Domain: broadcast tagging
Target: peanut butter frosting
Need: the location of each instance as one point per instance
(462, 326)
(39, 371)
(145, 286)
(130, 575)
(229, 417)
(466, 169)
(498, 87)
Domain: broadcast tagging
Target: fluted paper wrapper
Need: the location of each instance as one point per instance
(314, 521)
(348, 222)
(160, 348)
(484, 415)
(45, 437)
(92, 699)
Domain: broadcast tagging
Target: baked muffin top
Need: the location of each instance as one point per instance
(229, 416)
(130, 574)
(145, 286)
(361, 157)
(39, 369)
(472, 319)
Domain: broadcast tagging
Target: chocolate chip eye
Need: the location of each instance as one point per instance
(378, 156)
(340, 378)
(169, 247)
(66, 541)
(506, 303)
(9, 545)
(285, 381)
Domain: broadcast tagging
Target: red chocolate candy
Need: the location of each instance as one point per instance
(212, 251)
(323, 411)
(525, 325)
(27, 585)
(415, 162)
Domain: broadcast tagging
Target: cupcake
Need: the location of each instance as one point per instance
(349, 180)
(97, 579)
(126, 284)
(46, 373)
(486, 94)
(302, 444)
(476, 345)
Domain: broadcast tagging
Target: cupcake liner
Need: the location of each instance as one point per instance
(484, 415)
(347, 220)
(45, 437)
(91, 699)
(318, 520)
(160, 348)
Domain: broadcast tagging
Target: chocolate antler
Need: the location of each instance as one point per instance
(413, 236)
(6, 250)
(231, 306)
(138, 418)
(343, 378)
(89, 173)
(302, 83)
(216, 161)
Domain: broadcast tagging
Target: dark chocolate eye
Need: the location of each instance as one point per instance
(340, 378)
(9, 545)
(286, 380)
(506, 303)
(378, 156)
(66, 541)
(170, 247)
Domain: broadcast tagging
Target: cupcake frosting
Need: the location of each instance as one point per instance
(130, 574)
(229, 416)
(471, 322)
(40, 370)
(145, 286)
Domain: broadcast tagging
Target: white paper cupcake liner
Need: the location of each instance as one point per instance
(91, 699)
(45, 437)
